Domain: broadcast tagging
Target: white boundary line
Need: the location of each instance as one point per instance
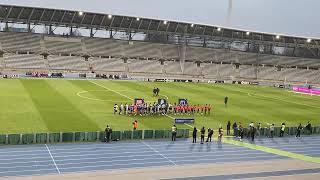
(111, 90)
(158, 152)
(52, 159)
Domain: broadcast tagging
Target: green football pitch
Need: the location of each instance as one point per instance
(59, 105)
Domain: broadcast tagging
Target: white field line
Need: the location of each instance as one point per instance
(53, 159)
(158, 153)
(123, 95)
(130, 97)
(293, 102)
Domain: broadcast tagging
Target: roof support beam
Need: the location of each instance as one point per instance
(94, 16)
(42, 14)
(31, 15)
(104, 17)
(64, 13)
(8, 13)
(50, 21)
(20, 13)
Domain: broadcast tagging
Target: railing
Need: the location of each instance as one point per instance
(265, 132)
(42, 138)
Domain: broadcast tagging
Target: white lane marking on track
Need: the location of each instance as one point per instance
(158, 153)
(52, 159)
(123, 95)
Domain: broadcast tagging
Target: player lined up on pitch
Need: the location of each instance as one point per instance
(161, 109)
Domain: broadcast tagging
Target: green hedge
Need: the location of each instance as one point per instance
(13, 138)
(2, 139)
(127, 135)
(41, 138)
(88, 136)
(92, 136)
(116, 135)
(79, 136)
(54, 137)
(158, 134)
(28, 138)
(137, 134)
(148, 134)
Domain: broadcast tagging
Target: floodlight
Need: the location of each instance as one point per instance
(164, 22)
(309, 40)
(219, 29)
(80, 13)
(247, 33)
(109, 16)
(138, 19)
(192, 25)
(278, 36)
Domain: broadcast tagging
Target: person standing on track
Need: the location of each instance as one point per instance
(299, 128)
(194, 135)
(220, 131)
(283, 127)
(174, 132)
(271, 130)
(210, 133)
(108, 131)
(228, 127)
(235, 129)
(203, 131)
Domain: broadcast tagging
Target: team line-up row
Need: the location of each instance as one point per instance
(146, 109)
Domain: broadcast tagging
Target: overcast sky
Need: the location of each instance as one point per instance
(293, 17)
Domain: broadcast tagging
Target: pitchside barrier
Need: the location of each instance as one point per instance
(42, 138)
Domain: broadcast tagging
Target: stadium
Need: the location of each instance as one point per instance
(68, 74)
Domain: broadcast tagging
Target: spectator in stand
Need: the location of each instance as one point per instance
(299, 128)
(228, 127)
(194, 135)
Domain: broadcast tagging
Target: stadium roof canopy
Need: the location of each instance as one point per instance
(71, 18)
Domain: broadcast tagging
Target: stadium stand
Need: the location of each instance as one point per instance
(108, 64)
(143, 59)
(67, 63)
(23, 61)
(11, 42)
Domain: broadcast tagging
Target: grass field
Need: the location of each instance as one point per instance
(81, 105)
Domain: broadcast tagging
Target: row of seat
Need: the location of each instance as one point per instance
(12, 42)
(208, 70)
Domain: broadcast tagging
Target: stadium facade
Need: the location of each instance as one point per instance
(168, 49)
